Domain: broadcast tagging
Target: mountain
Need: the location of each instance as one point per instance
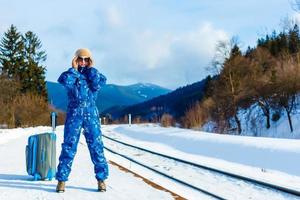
(175, 103)
(110, 95)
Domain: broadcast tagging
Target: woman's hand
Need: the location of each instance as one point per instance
(75, 63)
(90, 63)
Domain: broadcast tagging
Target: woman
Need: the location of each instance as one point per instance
(82, 82)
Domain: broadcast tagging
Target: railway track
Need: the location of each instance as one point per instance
(142, 156)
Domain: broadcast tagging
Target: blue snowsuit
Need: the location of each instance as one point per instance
(82, 87)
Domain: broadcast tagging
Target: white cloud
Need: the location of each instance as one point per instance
(167, 58)
(113, 16)
(204, 38)
(296, 17)
(152, 48)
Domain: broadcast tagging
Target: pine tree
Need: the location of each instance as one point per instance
(11, 48)
(21, 58)
(294, 40)
(249, 51)
(33, 76)
(282, 42)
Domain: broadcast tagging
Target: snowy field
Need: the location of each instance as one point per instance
(268, 159)
(263, 153)
(15, 184)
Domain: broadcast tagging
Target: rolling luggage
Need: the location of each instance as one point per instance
(41, 156)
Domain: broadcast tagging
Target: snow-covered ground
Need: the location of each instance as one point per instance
(268, 159)
(16, 184)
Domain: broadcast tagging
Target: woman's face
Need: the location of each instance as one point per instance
(83, 61)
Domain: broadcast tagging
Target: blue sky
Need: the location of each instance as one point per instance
(164, 42)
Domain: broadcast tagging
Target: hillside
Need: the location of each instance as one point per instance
(175, 103)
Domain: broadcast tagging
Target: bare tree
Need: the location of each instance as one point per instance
(288, 85)
(222, 52)
(167, 120)
(229, 89)
(259, 84)
(198, 114)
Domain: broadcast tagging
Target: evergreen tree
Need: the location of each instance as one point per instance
(11, 48)
(283, 42)
(249, 51)
(235, 51)
(33, 75)
(21, 58)
(294, 40)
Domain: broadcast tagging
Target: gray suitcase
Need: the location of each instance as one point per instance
(41, 156)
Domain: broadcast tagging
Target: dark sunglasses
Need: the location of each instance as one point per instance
(83, 59)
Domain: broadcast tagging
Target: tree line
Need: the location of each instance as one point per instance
(264, 79)
(23, 99)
